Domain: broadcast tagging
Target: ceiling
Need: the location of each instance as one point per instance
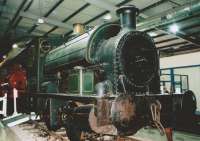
(18, 18)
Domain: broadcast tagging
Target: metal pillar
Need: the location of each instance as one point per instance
(172, 80)
(4, 105)
(15, 95)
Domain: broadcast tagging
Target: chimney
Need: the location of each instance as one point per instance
(127, 15)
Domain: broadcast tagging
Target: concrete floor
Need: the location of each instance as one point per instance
(6, 134)
(27, 133)
(154, 135)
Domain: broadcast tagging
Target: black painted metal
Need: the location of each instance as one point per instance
(69, 17)
(15, 16)
(46, 15)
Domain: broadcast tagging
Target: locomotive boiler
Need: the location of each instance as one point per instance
(128, 58)
(105, 81)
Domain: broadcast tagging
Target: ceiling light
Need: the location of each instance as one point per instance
(14, 46)
(40, 21)
(152, 34)
(169, 16)
(174, 28)
(187, 8)
(107, 17)
(4, 57)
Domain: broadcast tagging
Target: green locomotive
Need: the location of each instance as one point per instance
(105, 80)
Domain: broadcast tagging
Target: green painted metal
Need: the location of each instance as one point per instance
(78, 49)
(88, 82)
(74, 84)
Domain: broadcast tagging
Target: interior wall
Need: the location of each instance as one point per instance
(193, 79)
(180, 60)
(187, 64)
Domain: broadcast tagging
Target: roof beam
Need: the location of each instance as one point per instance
(191, 26)
(180, 49)
(171, 22)
(172, 45)
(182, 35)
(105, 12)
(194, 33)
(177, 14)
(173, 2)
(167, 40)
(69, 17)
(103, 4)
(100, 15)
(191, 40)
(46, 15)
(15, 15)
(96, 17)
(20, 18)
(46, 20)
(160, 35)
(153, 5)
(29, 15)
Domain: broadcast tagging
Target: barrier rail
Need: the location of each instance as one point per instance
(4, 105)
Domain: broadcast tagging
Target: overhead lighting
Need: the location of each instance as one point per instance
(187, 8)
(14, 46)
(174, 28)
(4, 57)
(40, 21)
(169, 16)
(107, 17)
(152, 34)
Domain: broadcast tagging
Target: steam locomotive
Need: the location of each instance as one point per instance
(105, 80)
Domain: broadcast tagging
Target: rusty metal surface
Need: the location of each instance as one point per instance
(104, 129)
(123, 114)
(103, 112)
